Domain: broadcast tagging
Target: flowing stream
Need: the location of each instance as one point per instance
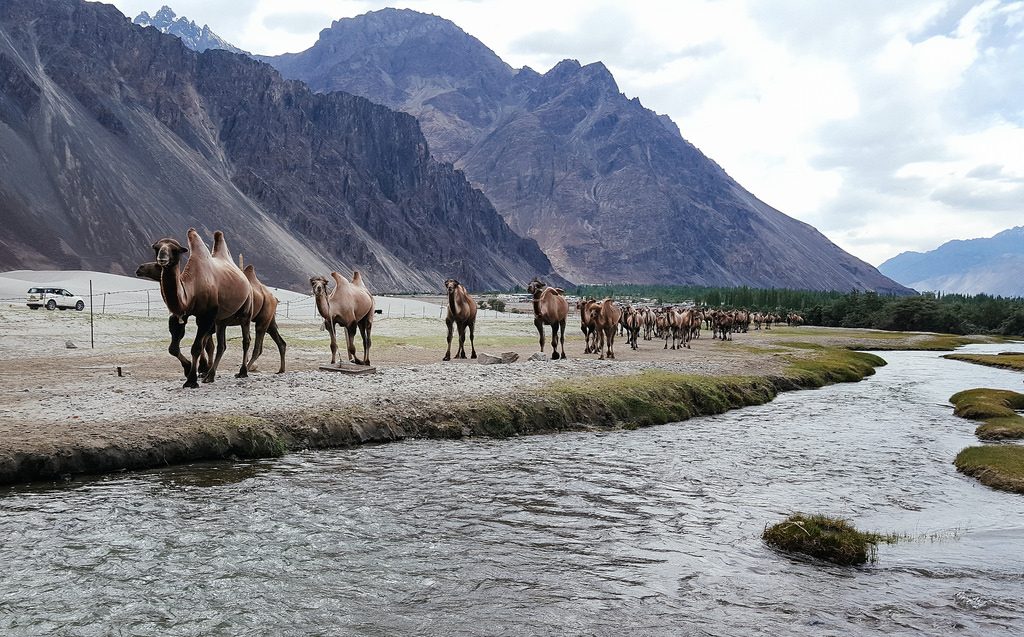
(647, 532)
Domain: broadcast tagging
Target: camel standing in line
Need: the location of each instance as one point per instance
(349, 305)
(549, 308)
(605, 316)
(212, 289)
(264, 315)
(587, 325)
(176, 326)
(462, 313)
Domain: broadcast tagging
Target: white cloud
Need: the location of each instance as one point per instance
(868, 119)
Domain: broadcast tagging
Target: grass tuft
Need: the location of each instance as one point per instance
(827, 538)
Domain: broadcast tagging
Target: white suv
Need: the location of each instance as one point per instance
(53, 298)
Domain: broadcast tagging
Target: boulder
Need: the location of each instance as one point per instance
(70, 345)
(538, 356)
(490, 359)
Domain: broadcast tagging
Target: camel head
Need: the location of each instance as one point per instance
(536, 285)
(451, 285)
(149, 270)
(168, 252)
(319, 285)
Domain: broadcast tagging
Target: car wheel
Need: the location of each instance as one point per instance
(51, 305)
(34, 307)
(80, 306)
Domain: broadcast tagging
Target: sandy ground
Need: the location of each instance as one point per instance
(48, 390)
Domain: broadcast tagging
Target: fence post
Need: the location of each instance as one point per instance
(147, 303)
(92, 313)
(104, 311)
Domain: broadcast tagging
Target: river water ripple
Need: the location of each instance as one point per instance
(649, 532)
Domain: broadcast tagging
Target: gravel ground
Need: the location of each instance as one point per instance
(48, 391)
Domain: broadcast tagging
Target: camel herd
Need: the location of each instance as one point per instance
(221, 293)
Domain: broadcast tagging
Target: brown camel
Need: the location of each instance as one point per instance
(176, 326)
(549, 308)
(587, 325)
(264, 315)
(212, 289)
(349, 305)
(461, 313)
(605, 316)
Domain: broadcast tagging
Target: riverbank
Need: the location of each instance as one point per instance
(70, 413)
(1005, 360)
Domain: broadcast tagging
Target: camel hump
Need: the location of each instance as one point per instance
(250, 273)
(196, 246)
(220, 247)
(559, 291)
(357, 278)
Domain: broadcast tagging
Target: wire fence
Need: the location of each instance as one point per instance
(147, 302)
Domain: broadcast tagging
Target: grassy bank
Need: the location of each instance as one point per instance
(827, 538)
(996, 408)
(608, 402)
(1006, 360)
(997, 466)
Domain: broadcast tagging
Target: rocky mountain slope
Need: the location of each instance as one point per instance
(993, 265)
(113, 135)
(195, 37)
(609, 189)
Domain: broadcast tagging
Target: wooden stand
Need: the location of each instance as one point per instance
(349, 368)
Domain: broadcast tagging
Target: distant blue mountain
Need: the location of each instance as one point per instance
(994, 265)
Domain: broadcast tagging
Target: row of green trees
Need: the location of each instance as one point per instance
(949, 313)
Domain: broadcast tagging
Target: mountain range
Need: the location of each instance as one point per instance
(992, 265)
(113, 135)
(610, 190)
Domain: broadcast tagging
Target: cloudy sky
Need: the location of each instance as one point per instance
(889, 126)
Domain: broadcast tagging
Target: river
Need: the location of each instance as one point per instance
(647, 532)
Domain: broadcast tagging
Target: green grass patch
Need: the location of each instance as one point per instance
(833, 366)
(996, 408)
(997, 466)
(827, 538)
(1005, 360)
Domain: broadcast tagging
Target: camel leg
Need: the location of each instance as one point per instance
(204, 325)
(472, 347)
(554, 342)
(462, 340)
(243, 371)
(329, 324)
(350, 340)
(540, 331)
(222, 342)
(365, 327)
(561, 337)
(257, 348)
(206, 358)
(601, 341)
(281, 345)
(177, 331)
(448, 354)
(611, 344)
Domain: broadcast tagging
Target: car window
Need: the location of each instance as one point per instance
(34, 291)
(66, 293)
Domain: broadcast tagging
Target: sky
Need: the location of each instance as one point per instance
(889, 126)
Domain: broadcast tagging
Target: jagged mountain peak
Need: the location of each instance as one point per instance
(195, 37)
